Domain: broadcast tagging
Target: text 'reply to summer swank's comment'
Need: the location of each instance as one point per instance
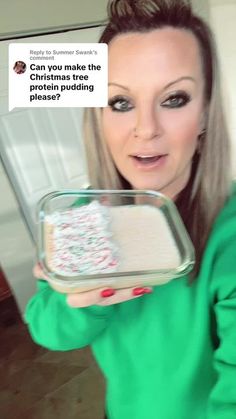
(58, 75)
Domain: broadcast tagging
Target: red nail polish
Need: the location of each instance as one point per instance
(148, 291)
(142, 291)
(107, 293)
(138, 291)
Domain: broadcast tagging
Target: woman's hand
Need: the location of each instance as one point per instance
(99, 296)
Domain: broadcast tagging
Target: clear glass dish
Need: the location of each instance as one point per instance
(89, 239)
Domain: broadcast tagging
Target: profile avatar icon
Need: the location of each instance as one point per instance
(19, 67)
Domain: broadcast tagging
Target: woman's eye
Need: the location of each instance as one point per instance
(120, 104)
(176, 101)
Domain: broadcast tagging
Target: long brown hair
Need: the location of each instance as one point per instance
(209, 185)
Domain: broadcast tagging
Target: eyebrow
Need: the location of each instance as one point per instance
(178, 80)
(166, 87)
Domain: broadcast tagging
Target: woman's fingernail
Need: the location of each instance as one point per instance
(107, 293)
(142, 291)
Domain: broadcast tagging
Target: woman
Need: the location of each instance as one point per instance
(19, 67)
(171, 353)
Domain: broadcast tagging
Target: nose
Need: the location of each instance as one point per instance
(148, 124)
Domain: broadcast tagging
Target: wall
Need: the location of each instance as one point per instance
(33, 15)
(202, 8)
(223, 18)
(221, 15)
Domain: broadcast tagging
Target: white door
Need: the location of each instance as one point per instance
(41, 150)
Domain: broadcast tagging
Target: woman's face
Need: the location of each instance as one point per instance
(155, 112)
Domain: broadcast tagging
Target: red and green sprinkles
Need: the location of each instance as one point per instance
(82, 240)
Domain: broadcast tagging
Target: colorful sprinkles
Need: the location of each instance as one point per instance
(82, 240)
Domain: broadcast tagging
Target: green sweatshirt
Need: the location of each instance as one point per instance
(166, 355)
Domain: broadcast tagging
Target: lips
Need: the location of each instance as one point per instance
(148, 161)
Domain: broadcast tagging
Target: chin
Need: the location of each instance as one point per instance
(146, 186)
(163, 189)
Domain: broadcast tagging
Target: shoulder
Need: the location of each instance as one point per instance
(225, 223)
(219, 261)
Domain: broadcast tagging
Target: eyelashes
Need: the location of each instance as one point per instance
(120, 104)
(176, 100)
(173, 101)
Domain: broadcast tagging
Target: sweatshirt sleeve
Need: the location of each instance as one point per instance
(57, 326)
(222, 401)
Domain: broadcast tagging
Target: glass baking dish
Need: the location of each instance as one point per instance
(89, 239)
